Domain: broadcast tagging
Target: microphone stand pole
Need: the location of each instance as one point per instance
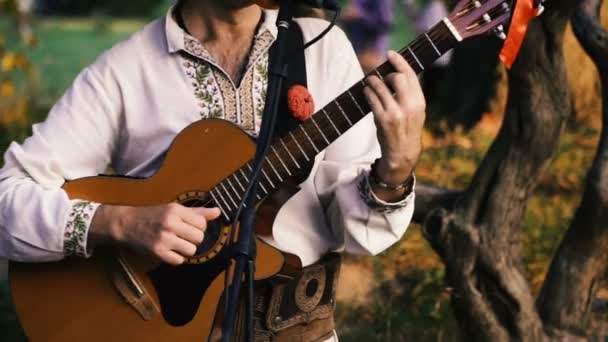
(244, 250)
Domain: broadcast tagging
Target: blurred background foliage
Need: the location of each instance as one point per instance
(398, 296)
(115, 8)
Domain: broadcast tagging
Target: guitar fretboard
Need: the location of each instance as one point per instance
(300, 146)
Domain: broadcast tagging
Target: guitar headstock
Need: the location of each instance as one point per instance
(475, 17)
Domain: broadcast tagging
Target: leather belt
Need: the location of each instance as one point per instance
(296, 310)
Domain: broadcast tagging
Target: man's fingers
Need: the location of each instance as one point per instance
(194, 217)
(373, 100)
(382, 92)
(180, 246)
(399, 84)
(172, 258)
(209, 214)
(400, 64)
(190, 233)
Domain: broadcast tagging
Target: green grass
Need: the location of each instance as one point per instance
(66, 46)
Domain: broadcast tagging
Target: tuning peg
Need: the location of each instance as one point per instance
(499, 31)
(540, 8)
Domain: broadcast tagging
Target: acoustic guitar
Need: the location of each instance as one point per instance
(118, 295)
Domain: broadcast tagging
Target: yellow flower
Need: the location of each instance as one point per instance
(7, 89)
(9, 62)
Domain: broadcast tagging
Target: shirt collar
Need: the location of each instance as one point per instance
(176, 35)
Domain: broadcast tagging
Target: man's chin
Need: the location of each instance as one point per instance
(235, 4)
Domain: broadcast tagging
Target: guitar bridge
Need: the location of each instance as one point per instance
(130, 288)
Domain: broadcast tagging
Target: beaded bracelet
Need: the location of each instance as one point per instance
(408, 184)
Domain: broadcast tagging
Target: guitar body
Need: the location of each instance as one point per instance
(121, 296)
(77, 300)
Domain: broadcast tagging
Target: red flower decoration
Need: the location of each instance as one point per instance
(300, 102)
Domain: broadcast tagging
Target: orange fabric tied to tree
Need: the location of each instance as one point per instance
(525, 10)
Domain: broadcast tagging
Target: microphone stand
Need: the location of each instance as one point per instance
(244, 250)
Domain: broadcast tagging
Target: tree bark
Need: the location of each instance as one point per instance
(565, 301)
(429, 197)
(478, 238)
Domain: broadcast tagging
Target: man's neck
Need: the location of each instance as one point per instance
(212, 20)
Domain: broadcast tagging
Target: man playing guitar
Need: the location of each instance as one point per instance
(209, 59)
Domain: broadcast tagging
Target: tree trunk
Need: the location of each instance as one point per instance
(575, 273)
(429, 197)
(478, 238)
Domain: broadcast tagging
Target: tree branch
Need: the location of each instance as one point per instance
(429, 197)
(478, 238)
(572, 282)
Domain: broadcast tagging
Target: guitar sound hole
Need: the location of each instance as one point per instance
(216, 235)
(212, 236)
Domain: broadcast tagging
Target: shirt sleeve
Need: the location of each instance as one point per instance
(342, 175)
(38, 222)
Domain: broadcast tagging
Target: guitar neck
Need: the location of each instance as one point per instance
(302, 144)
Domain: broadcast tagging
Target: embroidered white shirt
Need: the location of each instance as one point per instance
(125, 109)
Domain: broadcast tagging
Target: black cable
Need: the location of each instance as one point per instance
(256, 172)
(333, 23)
(249, 198)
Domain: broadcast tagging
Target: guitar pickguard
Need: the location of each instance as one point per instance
(180, 289)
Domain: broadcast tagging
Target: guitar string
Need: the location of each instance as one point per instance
(433, 38)
(415, 46)
(435, 35)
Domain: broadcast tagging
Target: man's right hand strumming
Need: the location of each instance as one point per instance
(171, 232)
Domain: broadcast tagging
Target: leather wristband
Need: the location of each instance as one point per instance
(373, 174)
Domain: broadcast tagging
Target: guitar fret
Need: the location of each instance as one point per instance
(299, 146)
(280, 160)
(238, 197)
(268, 179)
(356, 104)
(309, 139)
(244, 175)
(351, 107)
(219, 205)
(221, 196)
(312, 118)
(290, 155)
(236, 206)
(379, 74)
(237, 181)
(415, 57)
(273, 169)
(330, 120)
(259, 183)
(432, 44)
